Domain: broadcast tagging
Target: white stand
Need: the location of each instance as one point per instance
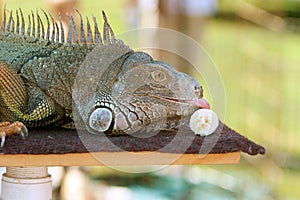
(32, 183)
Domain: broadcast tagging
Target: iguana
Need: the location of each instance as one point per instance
(42, 67)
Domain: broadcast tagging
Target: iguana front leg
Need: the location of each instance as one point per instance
(23, 104)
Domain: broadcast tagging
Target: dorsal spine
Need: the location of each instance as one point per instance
(54, 31)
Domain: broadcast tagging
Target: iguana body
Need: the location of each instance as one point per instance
(38, 71)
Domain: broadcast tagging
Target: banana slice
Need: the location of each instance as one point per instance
(204, 122)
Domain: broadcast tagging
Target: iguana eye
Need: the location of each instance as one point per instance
(158, 75)
(100, 119)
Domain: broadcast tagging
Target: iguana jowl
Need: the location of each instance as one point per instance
(41, 73)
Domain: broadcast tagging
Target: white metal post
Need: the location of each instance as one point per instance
(32, 183)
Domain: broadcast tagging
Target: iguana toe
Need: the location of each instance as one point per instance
(7, 129)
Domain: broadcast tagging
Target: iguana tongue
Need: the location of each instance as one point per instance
(201, 103)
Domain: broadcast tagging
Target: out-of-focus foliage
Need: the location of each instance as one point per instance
(189, 184)
(260, 70)
(286, 8)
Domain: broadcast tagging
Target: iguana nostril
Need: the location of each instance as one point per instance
(198, 91)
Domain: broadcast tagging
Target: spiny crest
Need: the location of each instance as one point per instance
(54, 31)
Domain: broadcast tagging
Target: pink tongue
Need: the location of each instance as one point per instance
(202, 103)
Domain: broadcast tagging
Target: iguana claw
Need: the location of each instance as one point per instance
(24, 132)
(7, 129)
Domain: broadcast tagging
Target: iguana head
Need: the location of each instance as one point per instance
(133, 92)
(137, 93)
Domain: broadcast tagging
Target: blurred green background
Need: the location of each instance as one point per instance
(256, 47)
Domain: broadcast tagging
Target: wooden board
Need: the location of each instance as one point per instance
(117, 158)
(64, 147)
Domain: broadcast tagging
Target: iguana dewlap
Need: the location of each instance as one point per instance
(42, 82)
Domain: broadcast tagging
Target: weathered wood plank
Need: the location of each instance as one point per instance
(117, 158)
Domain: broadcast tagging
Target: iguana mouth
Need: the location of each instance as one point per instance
(200, 102)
